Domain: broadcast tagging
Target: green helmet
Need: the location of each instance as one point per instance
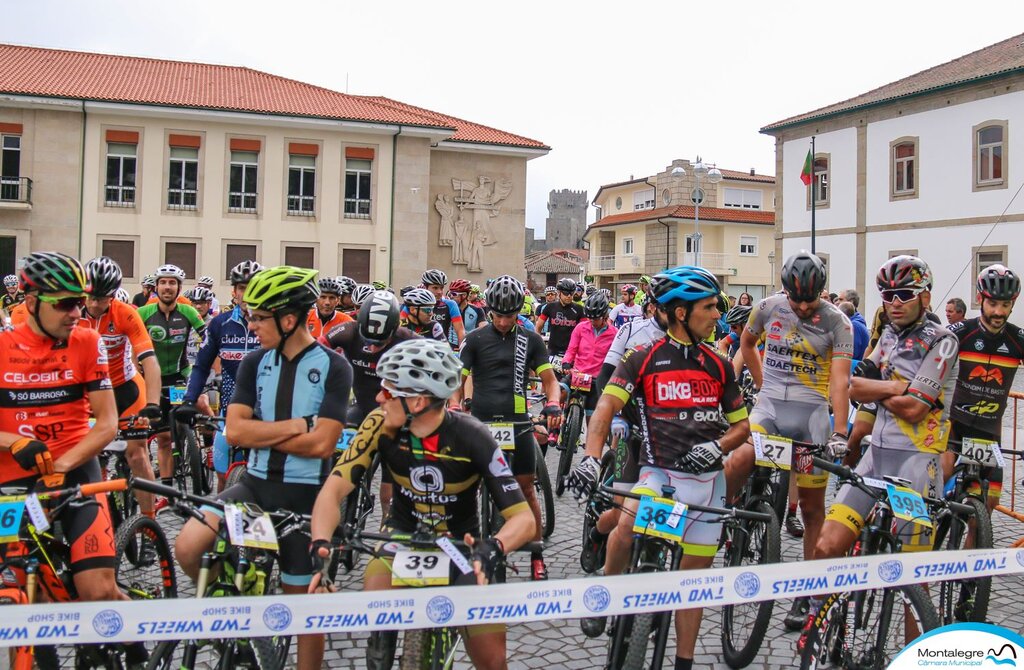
(282, 288)
(52, 272)
(644, 279)
(380, 285)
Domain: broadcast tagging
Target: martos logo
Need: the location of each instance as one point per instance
(988, 375)
(683, 388)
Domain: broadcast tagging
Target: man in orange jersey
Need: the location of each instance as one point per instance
(325, 315)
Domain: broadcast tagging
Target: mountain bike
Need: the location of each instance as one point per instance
(592, 553)
(575, 414)
(357, 507)
(190, 468)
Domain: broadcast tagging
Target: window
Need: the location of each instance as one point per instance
(984, 257)
(183, 184)
(10, 167)
(355, 263)
(820, 184)
(357, 188)
(742, 198)
(301, 185)
(235, 253)
(990, 155)
(300, 257)
(893, 253)
(8, 255)
(903, 168)
(643, 199)
(242, 181)
(121, 165)
(618, 202)
(627, 246)
(184, 255)
(748, 245)
(123, 253)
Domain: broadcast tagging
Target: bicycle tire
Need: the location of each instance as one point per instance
(192, 458)
(636, 652)
(127, 545)
(235, 475)
(753, 543)
(441, 645)
(963, 600)
(162, 656)
(546, 497)
(271, 652)
(414, 645)
(380, 649)
(781, 496)
(590, 560)
(568, 438)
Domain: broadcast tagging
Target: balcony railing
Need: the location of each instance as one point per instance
(717, 263)
(120, 196)
(16, 189)
(301, 205)
(616, 264)
(357, 208)
(182, 198)
(242, 202)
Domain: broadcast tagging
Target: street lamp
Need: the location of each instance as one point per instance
(771, 261)
(713, 175)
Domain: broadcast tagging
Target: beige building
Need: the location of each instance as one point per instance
(650, 223)
(205, 165)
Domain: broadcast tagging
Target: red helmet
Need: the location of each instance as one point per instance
(459, 286)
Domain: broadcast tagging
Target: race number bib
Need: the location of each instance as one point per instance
(772, 451)
(12, 508)
(907, 504)
(660, 517)
(248, 527)
(504, 434)
(581, 381)
(985, 453)
(176, 394)
(345, 439)
(420, 568)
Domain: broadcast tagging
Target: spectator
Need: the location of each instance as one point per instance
(860, 329)
(746, 299)
(850, 295)
(956, 310)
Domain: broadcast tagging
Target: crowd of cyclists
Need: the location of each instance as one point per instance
(426, 377)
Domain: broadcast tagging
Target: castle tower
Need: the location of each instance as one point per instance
(567, 219)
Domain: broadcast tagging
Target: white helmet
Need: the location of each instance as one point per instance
(361, 293)
(170, 271)
(122, 295)
(419, 297)
(421, 367)
(206, 281)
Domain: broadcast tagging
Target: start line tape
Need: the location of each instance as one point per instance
(363, 611)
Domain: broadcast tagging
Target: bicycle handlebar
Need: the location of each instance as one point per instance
(172, 493)
(108, 486)
(721, 511)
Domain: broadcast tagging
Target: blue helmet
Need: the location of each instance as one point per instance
(685, 282)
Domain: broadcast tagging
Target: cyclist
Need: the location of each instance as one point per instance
(476, 296)
(201, 299)
(472, 316)
(347, 285)
(325, 315)
(628, 309)
(207, 282)
(499, 357)
(561, 317)
(170, 325)
(12, 293)
(434, 455)
(125, 341)
(228, 339)
(808, 349)
(418, 315)
(590, 341)
(288, 408)
(644, 284)
(360, 293)
(991, 350)
(736, 318)
(446, 311)
(680, 446)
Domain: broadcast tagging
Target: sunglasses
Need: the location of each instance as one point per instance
(904, 295)
(68, 304)
(391, 394)
(426, 310)
(256, 318)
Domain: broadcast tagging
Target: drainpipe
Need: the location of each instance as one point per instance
(391, 233)
(81, 183)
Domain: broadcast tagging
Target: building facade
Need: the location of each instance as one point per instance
(921, 166)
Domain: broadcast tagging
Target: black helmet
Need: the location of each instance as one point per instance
(104, 276)
(52, 272)
(329, 285)
(904, 272)
(347, 284)
(566, 285)
(596, 305)
(589, 290)
(738, 315)
(243, 272)
(379, 316)
(803, 276)
(505, 295)
(998, 282)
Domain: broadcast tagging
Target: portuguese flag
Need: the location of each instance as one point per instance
(805, 176)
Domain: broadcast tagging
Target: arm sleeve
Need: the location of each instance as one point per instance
(194, 319)
(932, 384)
(755, 324)
(437, 332)
(842, 337)
(623, 382)
(337, 390)
(245, 380)
(453, 311)
(356, 460)
(618, 347)
(135, 329)
(204, 362)
(468, 356)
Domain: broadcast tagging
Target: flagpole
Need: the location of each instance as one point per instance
(814, 187)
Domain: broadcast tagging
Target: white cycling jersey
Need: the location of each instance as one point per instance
(632, 335)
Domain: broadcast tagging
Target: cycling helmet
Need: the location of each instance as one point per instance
(406, 289)
(566, 285)
(686, 282)
(738, 315)
(596, 306)
(420, 367)
(361, 292)
(803, 276)
(505, 295)
(607, 293)
(328, 285)
(243, 272)
(51, 272)
(149, 280)
(420, 297)
(644, 279)
(104, 275)
(206, 281)
(474, 289)
(11, 281)
(904, 272)
(998, 282)
(460, 286)
(170, 271)
(379, 316)
(379, 285)
(122, 295)
(200, 294)
(628, 288)
(283, 288)
(589, 290)
(550, 289)
(347, 284)
(434, 276)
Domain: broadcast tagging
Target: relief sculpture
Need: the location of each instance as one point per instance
(465, 218)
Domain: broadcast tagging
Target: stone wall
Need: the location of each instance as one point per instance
(567, 219)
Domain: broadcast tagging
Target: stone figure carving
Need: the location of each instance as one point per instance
(446, 209)
(483, 200)
(459, 240)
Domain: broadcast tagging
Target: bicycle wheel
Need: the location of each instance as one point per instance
(965, 599)
(414, 649)
(636, 652)
(234, 475)
(591, 553)
(542, 484)
(744, 625)
(192, 460)
(442, 646)
(144, 567)
(780, 478)
(570, 435)
(380, 649)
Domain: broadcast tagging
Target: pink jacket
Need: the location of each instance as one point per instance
(586, 349)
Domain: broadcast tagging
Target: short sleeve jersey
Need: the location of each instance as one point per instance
(500, 365)
(622, 314)
(437, 476)
(123, 334)
(447, 312)
(316, 382)
(561, 319)
(632, 335)
(680, 393)
(44, 389)
(170, 334)
(317, 326)
(988, 365)
(925, 356)
(798, 353)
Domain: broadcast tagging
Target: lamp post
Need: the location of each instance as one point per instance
(713, 176)
(771, 261)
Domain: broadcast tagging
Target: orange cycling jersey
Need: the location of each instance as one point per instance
(318, 327)
(19, 314)
(123, 334)
(44, 386)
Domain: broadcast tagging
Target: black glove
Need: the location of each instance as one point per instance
(566, 366)
(314, 554)
(701, 458)
(32, 455)
(490, 553)
(152, 412)
(551, 410)
(583, 478)
(868, 370)
(186, 412)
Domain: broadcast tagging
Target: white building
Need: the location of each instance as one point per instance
(922, 166)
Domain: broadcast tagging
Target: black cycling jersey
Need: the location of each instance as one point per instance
(681, 393)
(437, 476)
(500, 365)
(988, 364)
(561, 319)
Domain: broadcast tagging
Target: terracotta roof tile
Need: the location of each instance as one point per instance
(687, 212)
(132, 80)
(1000, 58)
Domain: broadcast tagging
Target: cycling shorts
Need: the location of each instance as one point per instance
(702, 531)
(627, 453)
(921, 469)
(131, 398)
(801, 421)
(163, 425)
(994, 474)
(524, 458)
(293, 553)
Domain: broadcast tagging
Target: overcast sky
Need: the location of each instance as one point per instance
(616, 89)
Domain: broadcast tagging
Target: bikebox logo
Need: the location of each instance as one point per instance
(974, 645)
